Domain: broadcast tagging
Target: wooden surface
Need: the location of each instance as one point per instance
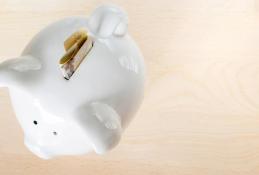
(200, 115)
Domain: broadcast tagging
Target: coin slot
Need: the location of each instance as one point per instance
(77, 46)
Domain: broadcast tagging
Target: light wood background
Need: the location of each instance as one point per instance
(200, 115)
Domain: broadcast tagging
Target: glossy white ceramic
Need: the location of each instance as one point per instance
(88, 112)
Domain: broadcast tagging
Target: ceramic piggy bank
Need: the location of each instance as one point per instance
(77, 84)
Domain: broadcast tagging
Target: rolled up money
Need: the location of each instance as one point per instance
(71, 52)
(75, 37)
(75, 53)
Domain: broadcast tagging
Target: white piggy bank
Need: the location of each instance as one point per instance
(88, 112)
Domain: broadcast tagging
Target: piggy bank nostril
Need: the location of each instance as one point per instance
(35, 122)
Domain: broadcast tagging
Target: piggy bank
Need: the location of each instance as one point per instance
(90, 110)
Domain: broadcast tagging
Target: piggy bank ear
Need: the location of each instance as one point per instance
(109, 20)
(11, 70)
(101, 124)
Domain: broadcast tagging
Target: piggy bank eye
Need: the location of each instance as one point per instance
(55, 133)
(35, 122)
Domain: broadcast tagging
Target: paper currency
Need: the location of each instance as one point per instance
(77, 46)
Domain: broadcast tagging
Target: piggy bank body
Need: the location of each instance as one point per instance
(89, 111)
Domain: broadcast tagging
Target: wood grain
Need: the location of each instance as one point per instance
(201, 109)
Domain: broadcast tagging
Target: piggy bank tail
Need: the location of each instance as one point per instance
(12, 71)
(108, 20)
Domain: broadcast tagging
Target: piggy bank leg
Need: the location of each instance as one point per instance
(101, 124)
